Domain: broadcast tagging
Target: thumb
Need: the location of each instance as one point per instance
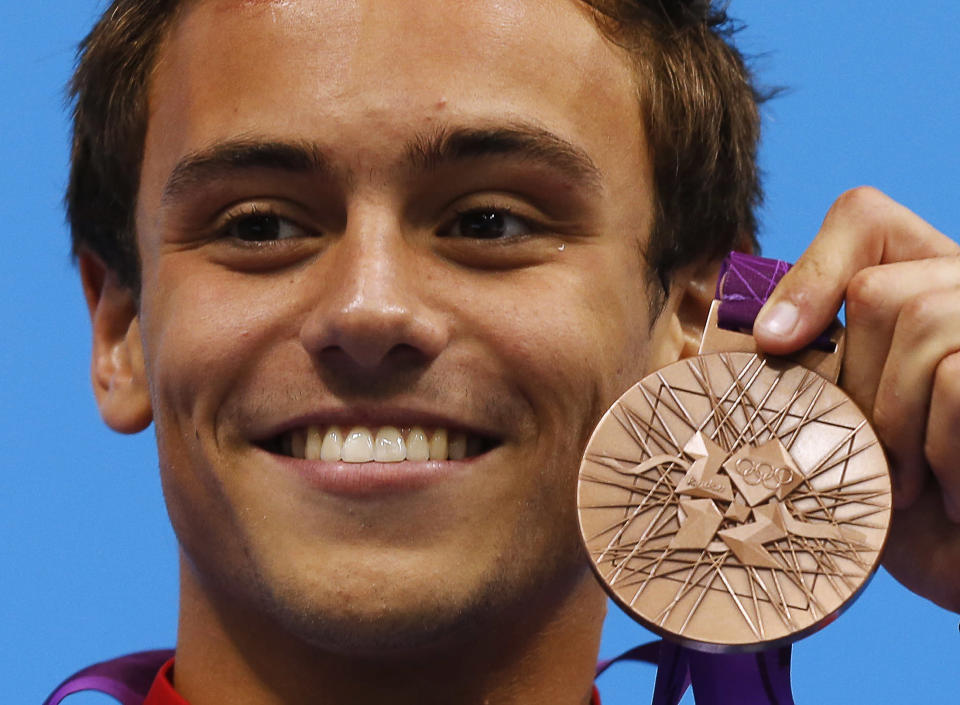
(803, 304)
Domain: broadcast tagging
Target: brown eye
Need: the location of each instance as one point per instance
(262, 227)
(487, 224)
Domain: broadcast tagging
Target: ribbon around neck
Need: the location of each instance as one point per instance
(761, 678)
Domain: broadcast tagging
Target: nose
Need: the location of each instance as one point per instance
(374, 312)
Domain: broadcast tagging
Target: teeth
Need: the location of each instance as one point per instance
(332, 443)
(314, 444)
(457, 448)
(358, 446)
(438, 444)
(418, 447)
(387, 444)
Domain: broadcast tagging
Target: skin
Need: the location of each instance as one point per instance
(900, 278)
(382, 307)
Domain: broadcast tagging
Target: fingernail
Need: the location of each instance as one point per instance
(780, 319)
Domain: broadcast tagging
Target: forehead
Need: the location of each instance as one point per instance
(370, 73)
(352, 38)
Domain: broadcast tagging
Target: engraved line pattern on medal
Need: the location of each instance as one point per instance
(693, 515)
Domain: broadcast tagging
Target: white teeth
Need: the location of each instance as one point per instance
(438, 444)
(314, 443)
(389, 446)
(358, 446)
(332, 445)
(457, 449)
(418, 447)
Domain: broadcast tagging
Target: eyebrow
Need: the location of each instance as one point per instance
(427, 152)
(519, 140)
(244, 154)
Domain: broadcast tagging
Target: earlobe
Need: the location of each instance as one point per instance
(117, 366)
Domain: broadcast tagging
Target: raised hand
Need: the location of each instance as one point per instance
(900, 278)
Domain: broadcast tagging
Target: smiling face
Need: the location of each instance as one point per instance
(377, 215)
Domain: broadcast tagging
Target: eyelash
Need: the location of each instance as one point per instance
(232, 219)
(247, 213)
(530, 226)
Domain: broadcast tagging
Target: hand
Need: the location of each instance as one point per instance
(901, 281)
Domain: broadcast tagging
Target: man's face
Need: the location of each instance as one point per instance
(384, 213)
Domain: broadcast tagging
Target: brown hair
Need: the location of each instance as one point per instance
(109, 91)
(700, 107)
(698, 101)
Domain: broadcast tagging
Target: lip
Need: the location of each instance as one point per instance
(373, 478)
(400, 417)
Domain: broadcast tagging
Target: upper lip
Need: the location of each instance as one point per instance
(371, 416)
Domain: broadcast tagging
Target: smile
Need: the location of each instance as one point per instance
(382, 444)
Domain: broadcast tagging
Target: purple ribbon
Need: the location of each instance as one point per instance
(761, 678)
(743, 287)
(718, 679)
(127, 679)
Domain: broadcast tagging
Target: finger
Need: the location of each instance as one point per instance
(864, 228)
(925, 334)
(923, 550)
(874, 299)
(943, 432)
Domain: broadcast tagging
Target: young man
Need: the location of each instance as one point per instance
(309, 229)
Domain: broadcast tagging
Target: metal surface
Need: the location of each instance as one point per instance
(731, 502)
(825, 363)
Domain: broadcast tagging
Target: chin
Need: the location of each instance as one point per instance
(382, 631)
(423, 614)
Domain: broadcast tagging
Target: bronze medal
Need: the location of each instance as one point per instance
(734, 501)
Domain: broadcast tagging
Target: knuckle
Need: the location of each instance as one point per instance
(923, 314)
(946, 381)
(860, 203)
(863, 209)
(867, 294)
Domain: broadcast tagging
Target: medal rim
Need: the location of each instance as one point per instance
(719, 646)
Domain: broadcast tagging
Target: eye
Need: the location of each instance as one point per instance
(487, 224)
(255, 226)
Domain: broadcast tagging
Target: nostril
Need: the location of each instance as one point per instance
(369, 337)
(371, 357)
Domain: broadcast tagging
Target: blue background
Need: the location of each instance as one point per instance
(87, 560)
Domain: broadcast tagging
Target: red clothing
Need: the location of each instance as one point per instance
(162, 692)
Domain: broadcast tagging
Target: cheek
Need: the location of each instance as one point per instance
(200, 338)
(572, 341)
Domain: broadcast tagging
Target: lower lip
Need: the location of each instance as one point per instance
(368, 479)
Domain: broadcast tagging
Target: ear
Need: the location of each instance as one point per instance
(679, 328)
(694, 307)
(117, 369)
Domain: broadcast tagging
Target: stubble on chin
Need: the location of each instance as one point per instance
(516, 594)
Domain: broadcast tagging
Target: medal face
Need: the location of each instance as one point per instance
(733, 502)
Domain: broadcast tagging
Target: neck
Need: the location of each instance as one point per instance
(544, 652)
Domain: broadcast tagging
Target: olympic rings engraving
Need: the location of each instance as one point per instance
(763, 473)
